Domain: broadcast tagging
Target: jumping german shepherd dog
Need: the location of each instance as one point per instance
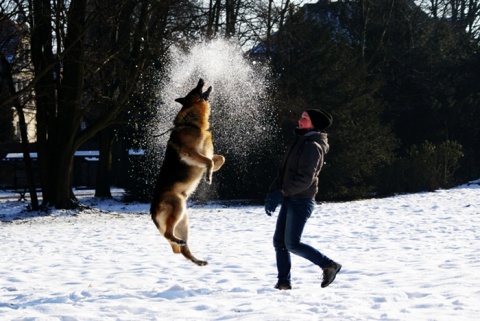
(188, 157)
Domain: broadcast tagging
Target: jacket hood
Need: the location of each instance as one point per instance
(316, 136)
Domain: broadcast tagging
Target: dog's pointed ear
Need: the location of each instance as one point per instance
(207, 93)
(200, 85)
(182, 101)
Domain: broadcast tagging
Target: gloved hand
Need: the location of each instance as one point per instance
(272, 200)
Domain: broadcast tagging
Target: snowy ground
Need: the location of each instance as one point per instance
(412, 257)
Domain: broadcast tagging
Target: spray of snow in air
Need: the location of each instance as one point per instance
(241, 117)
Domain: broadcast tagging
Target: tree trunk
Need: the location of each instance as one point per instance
(69, 111)
(104, 169)
(64, 198)
(26, 158)
(365, 10)
(210, 20)
(42, 59)
(230, 18)
(24, 135)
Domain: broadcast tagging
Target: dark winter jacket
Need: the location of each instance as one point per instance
(298, 174)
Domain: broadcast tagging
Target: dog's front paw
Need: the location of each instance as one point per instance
(208, 178)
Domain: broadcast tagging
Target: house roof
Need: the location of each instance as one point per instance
(10, 36)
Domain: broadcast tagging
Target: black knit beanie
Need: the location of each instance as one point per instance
(321, 120)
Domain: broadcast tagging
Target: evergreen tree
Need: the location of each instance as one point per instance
(431, 86)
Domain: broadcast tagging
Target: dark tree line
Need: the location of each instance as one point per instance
(401, 78)
(405, 97)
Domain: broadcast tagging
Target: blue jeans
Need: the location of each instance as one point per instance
(291, 220)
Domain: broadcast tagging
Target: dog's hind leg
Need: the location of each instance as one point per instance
(185, 250)
(176, 248)
(176, 216)
(167, 216)
(182, 232)
(188, 255)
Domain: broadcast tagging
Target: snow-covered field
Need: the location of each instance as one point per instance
(411, 257)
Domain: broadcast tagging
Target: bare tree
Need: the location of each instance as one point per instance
(464, 14)
(77, 77)
(249, 21)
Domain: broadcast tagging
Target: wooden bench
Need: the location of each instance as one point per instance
(20, 190)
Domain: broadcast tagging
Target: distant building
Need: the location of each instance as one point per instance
(324, 12)
(15, 49)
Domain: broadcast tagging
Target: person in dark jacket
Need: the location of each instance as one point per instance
(295, 188)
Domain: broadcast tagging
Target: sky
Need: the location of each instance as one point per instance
(408, 257)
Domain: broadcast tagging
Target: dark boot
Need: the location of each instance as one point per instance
(283, 285)
(330, 272)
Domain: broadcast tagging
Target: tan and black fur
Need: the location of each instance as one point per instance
(188, 157)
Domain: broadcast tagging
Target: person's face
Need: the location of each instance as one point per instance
(305, 122)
